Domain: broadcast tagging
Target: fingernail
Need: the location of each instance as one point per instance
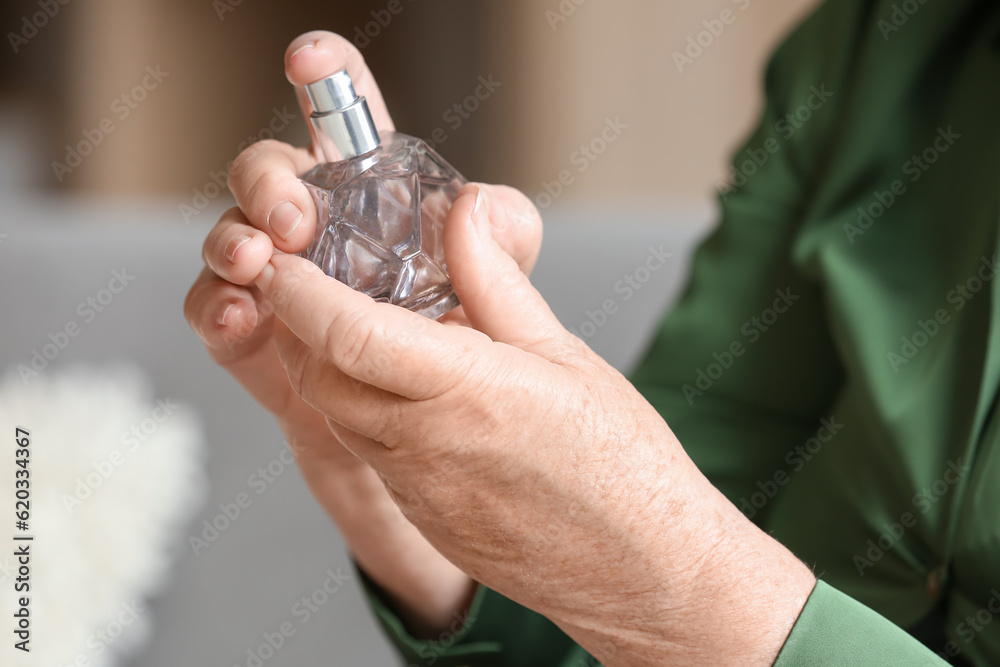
(480, 198)
(265, 277)
(234, 245)
(224, 313)
(284, 218)
(300, 50)
(481, 215)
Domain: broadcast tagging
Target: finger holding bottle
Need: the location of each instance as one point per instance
(264, 178)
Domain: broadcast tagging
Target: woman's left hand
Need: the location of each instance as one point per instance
(533, 465)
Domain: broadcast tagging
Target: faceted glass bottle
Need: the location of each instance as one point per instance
(381, 217)
(381, 203)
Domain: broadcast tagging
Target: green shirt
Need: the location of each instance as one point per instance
(834, 364)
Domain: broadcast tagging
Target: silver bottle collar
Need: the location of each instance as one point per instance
(343, 123)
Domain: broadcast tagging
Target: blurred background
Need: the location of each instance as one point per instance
(563, 67)
(118, 121)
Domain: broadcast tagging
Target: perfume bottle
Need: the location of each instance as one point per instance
(381, 202)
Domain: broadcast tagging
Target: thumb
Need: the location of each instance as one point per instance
(496, 295)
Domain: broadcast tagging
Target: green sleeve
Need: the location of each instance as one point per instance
(744, 368)
(496, 632)
(835, 629)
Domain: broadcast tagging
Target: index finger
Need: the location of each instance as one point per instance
(318, 54)
(377, 343)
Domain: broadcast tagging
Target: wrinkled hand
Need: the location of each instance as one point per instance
(275, 211)
(520, 455)
(517, 452)
(235, 322)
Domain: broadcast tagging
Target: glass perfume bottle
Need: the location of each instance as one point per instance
(381, 203)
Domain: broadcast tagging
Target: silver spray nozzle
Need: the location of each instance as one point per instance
(343, 122)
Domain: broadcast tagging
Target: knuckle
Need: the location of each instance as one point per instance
(265, 190)
(247, 161)
(386, 426)
(375, 415)
(266, 182)
(347, 341)
(240, 166)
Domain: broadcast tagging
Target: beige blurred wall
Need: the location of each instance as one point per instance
(225, 82)
(610, 60)
(567, 68)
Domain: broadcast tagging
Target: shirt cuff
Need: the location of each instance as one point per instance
(452, 648)
(835, 629)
